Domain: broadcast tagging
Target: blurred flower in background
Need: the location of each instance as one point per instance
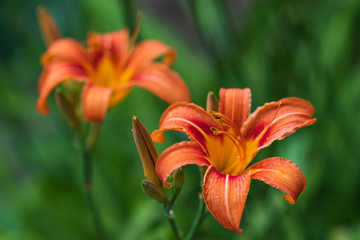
(110, 66)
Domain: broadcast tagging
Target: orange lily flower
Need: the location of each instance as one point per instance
(110, 66)
(227, 141)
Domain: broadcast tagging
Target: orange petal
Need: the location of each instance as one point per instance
(164, 83)
(235, 104)
(53, 75)
(95, 101)
(187, 118)
(48, 27)
(178, 155)
(282, 174)
(276, 120)
(66, 49)
(147, 51)
(225, 197)
(115, 44)
(118, 95)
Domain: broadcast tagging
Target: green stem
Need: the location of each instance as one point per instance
(87, 143)
(88, 185)
(173, 199)
(170, 218)
(198, 219)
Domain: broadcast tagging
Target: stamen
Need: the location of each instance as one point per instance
(225, 121)
(215, 130)
(232, 138)
(136, 31)
(268, 126)
(257, 140)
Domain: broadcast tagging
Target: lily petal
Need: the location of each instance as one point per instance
(164, 83)
(95, 101)
(115, 43)
(235, 104)
(190, 119)
(275, 121)
(119, 95)
(52, 76)
(282, 174)
(225, 197)
(66, 49)
(147, 51)
(178, 155)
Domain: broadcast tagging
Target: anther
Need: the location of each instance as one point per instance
(214, 130)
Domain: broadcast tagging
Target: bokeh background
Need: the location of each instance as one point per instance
(280, 48)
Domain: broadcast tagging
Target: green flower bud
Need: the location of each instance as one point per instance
(154, 191)
(178, 179)
(67, 108)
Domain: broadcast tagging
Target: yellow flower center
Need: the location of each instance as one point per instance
(109, 75)
(227, 149)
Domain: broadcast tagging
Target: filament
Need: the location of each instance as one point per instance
(232, 138)
(225, 121)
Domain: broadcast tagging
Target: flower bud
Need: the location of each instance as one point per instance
(48, 27)
(178, 179)
(211, 102)
(67, 108)
(146, 149)
(154, 191)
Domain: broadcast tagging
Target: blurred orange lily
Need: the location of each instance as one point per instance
(227, 141)
(110, 66)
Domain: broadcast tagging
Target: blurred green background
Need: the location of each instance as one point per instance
(280, 48)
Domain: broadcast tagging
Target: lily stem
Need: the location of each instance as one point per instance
(170, 217)
(88, 185)
(198, 219)
(86, 148)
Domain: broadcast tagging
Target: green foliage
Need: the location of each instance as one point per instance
(309, 49)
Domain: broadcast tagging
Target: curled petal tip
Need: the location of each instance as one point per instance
(289, 199)
(157, 136)
(42, 107)
(239, 231)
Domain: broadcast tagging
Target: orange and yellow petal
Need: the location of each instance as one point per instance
(147, 51)
(282, 174)
(235, 104)
(225, 197)
(54, 74)
(162, 82)
(275, 121)
(178, 155)
(188, 118)
(66, 49)
(95, 101)
(118, 95)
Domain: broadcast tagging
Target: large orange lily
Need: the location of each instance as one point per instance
(110, 66)
(226, 141)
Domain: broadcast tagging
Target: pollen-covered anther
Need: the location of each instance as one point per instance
(215, 130)
(215, 114)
